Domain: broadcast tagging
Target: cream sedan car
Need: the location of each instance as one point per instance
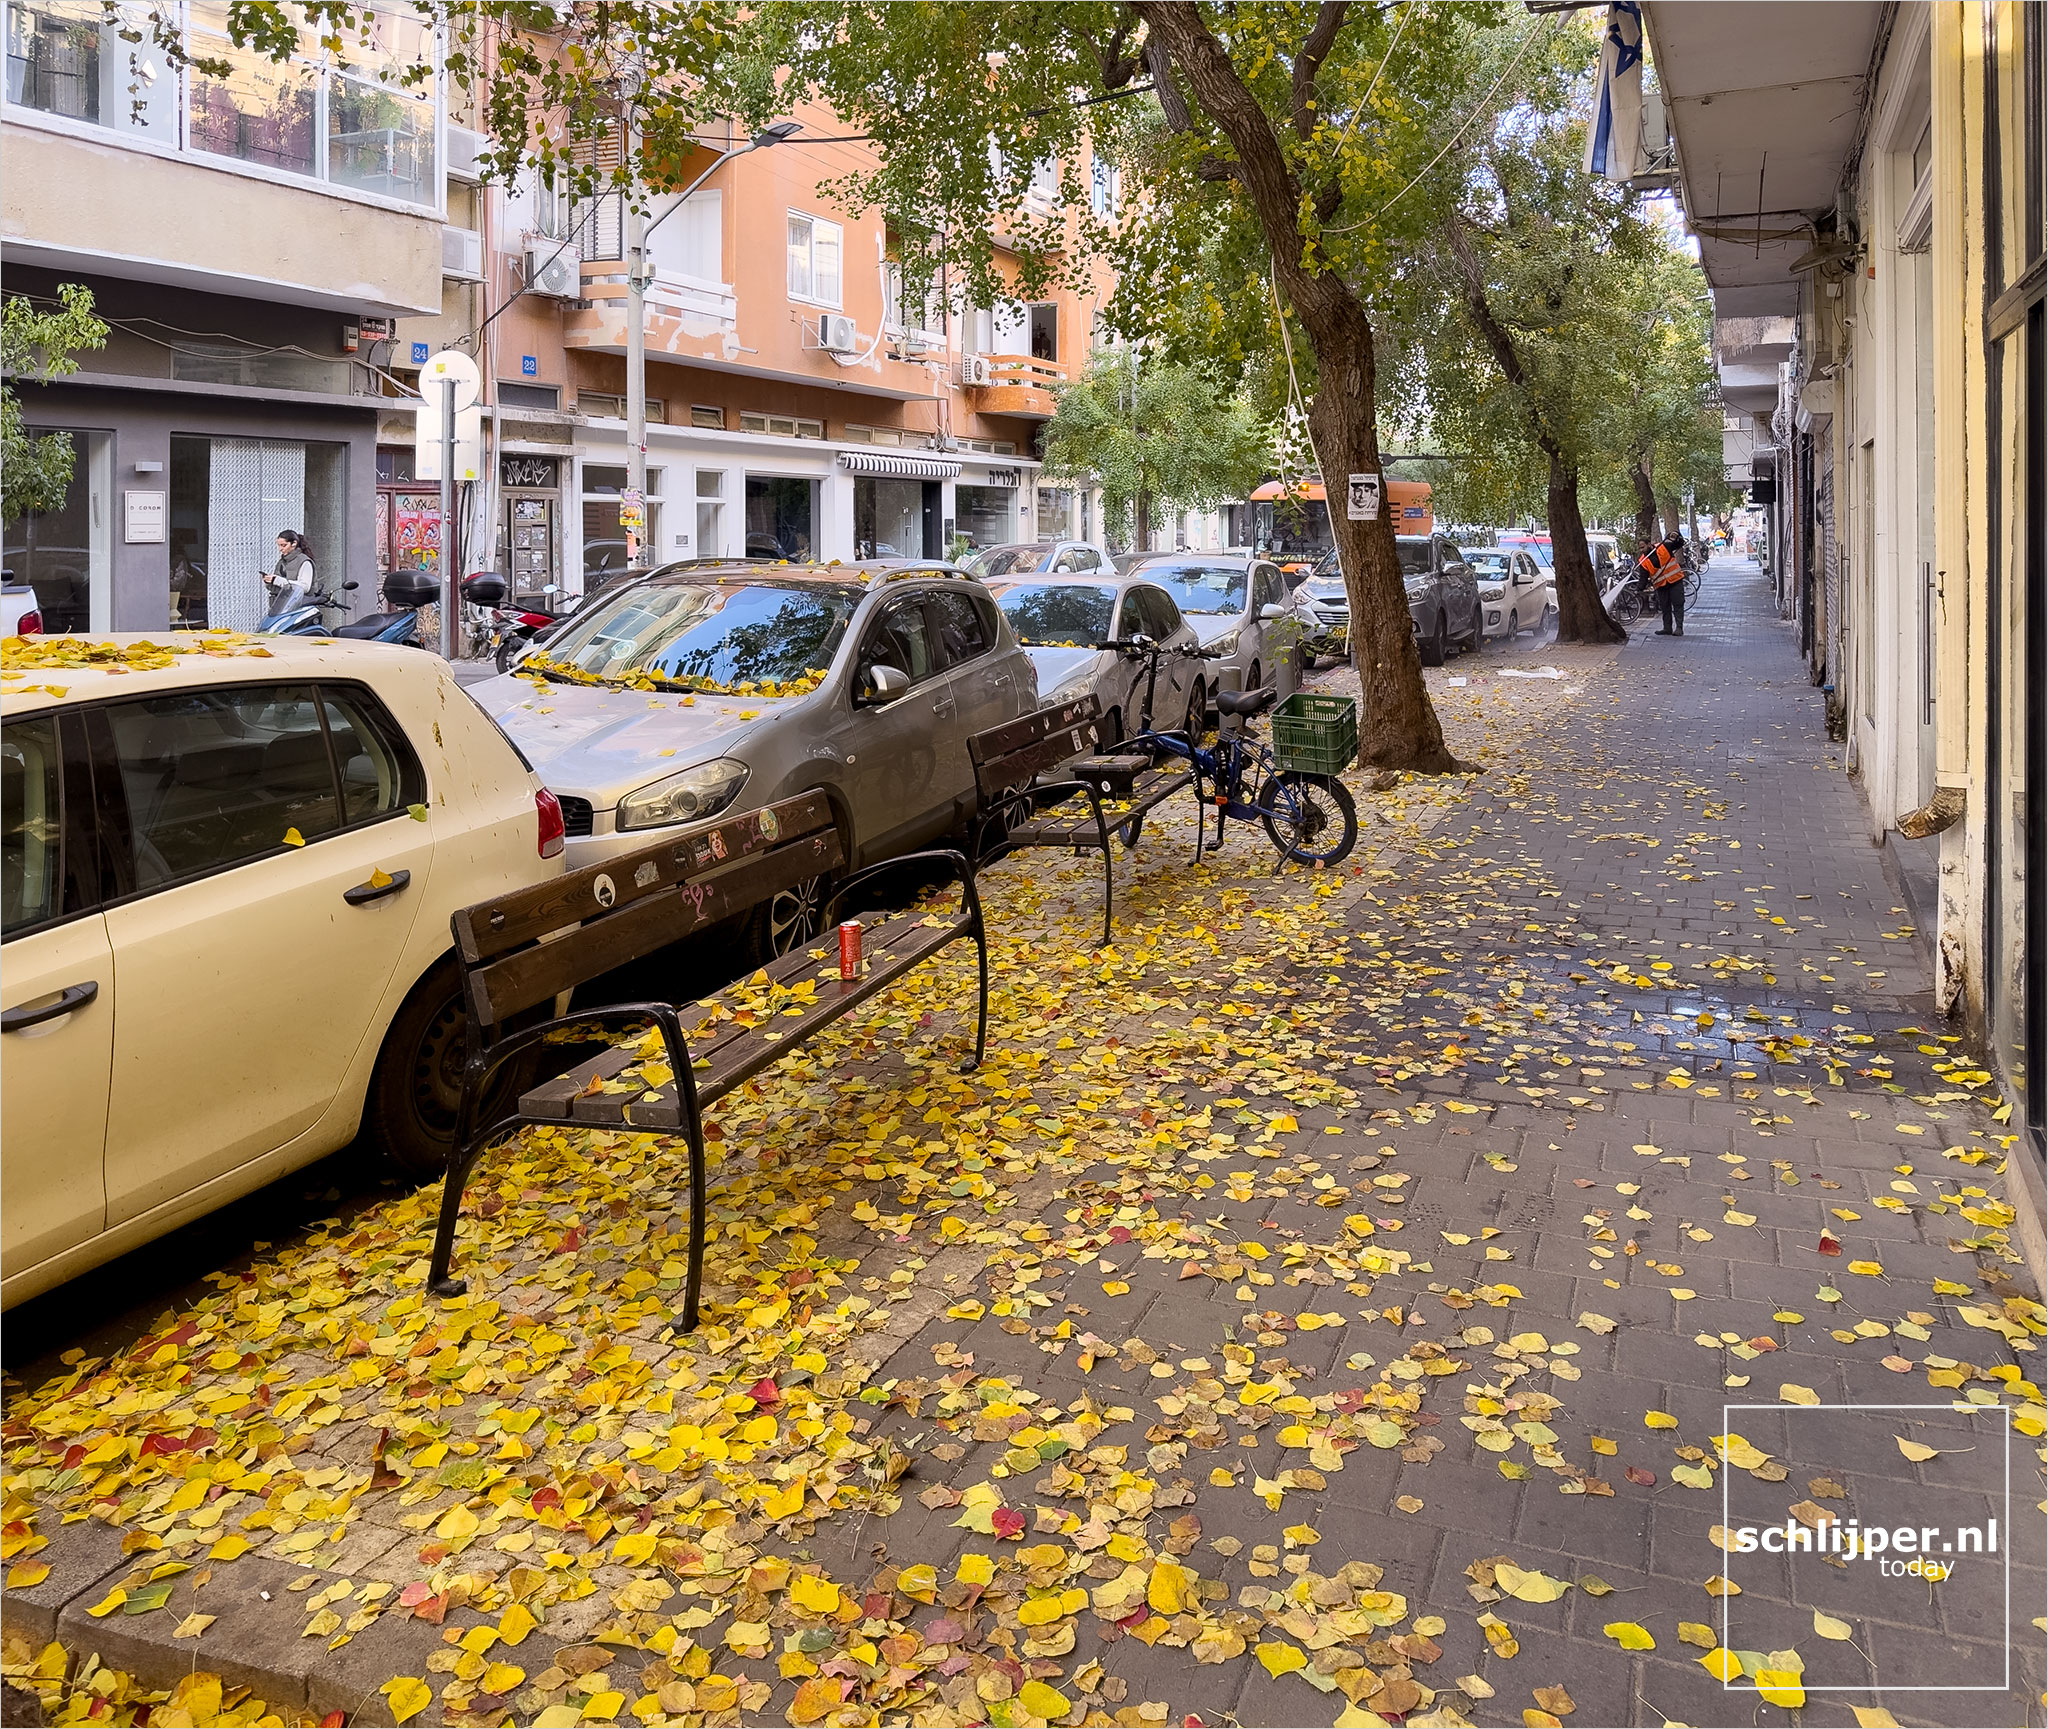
(226, 873)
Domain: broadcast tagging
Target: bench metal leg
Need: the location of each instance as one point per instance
(462, 1154)
(693, 1128)
(972, 896)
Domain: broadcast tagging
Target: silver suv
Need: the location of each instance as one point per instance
(701, 689)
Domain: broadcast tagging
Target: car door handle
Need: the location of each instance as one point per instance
(364, 893)
(70, 998)
(942, 706)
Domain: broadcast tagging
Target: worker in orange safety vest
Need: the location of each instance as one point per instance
(1663, 569)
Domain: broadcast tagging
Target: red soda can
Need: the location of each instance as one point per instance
(849, 949)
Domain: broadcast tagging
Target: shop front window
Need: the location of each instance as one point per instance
(779, 517)
(66, 554)
(604, 540)
(229, 499)
(888, 517)
(986, 515)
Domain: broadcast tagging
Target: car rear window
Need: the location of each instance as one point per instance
(721, 635)
(1058, 614)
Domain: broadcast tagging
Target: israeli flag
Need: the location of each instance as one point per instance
(1614, 142)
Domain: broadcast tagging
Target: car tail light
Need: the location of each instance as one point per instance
(552, 829)
(31, 624)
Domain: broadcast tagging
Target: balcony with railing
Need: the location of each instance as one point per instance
(1018, 384)
(681, 312)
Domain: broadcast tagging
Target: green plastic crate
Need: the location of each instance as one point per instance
(1316, 734)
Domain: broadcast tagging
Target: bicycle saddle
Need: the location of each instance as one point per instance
(1246, 701)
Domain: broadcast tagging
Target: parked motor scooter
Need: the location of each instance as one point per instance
(309, 617)
(510, 628)
(406, 591)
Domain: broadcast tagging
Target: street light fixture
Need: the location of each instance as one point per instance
(638, 275)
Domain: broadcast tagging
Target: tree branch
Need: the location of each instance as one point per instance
(1118, 67)
(1171, 102)
(1502, 346)
(1314, 51)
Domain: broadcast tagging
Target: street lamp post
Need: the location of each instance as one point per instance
(638, 275)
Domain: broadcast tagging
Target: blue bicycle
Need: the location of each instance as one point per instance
(1309, 818)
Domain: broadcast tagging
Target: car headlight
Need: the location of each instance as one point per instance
(1225, 644)
(1493, 591)
(687, 797)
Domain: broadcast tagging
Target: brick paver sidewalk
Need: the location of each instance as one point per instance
(1324, 1307)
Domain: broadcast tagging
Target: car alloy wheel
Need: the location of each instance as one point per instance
(794, 916)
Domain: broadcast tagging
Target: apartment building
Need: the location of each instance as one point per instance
(279, 251)
(797, 406)
(243, 237)
(1870, 187)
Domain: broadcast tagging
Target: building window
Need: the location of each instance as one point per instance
(710, 513)
(1045, 331)
(66, 555)
(1044, 187)
(711, 419)
(986, 515)
(779, 516)
(343, 112)
(1102, 186)
(66, 57)
(512, 395)
(815, 248)
(927, 319)
(782, 425)
(604, 541)
(891, 435)
(598, 405)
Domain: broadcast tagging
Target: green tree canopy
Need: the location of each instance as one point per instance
(1156, 435)
(39, 344)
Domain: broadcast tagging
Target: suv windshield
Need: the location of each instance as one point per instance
(708, 636)
(1414, 551)
(1008, 560)
(1200, 588)
(1057, 614)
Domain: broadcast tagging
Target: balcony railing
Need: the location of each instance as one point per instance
(1021, 384)
(680, 310)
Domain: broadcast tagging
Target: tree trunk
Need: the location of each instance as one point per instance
(1667, 507)
(1580, 615)
(1397, 726)
(1646, 504)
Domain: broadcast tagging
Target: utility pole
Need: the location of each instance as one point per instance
(639, 274)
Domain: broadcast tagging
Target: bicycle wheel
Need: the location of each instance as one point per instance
(1628, 605)
(1692, 586)
(1309, 818)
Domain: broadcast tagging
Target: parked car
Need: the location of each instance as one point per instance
(1443, 599)
(20, 615)
(1606, 552)
(1321, 589)
(1056, 618)
(1536, 543)
(706, 688)
(1515, 592)
(255, 965)
(1053, 557)
(1239, 604)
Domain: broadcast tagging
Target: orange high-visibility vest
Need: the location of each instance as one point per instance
(1661, 566)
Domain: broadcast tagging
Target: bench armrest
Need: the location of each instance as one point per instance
(963, 873)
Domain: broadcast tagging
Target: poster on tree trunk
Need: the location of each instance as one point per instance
(1363, 500)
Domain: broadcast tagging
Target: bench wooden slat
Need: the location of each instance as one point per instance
(733, 1054)
(510, 921)
(537, 974)
(1029, 729)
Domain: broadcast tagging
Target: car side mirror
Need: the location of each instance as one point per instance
(1272, 609)
(351, 583)
(884, 684)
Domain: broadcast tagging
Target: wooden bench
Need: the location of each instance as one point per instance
(527, 948)
(1017, 808)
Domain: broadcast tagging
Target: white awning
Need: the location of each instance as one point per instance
(909, 467)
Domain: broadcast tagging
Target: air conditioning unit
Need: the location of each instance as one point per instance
(553, 269)
(974, 369)
(837, 334)
(462, 253)
(465, 152)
